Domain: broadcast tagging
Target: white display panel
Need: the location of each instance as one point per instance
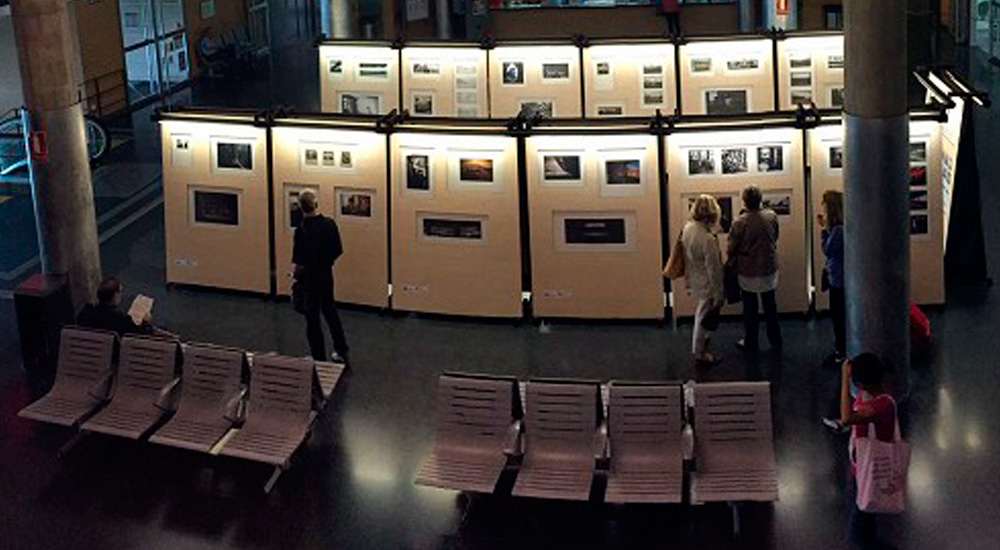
(448, 82)
(811, 68)
(455, 225)
(215, 202)
(542, 79)
(361, 80)
(726, 77)
(722, 164)
(347, 169)
(595, 226)
(629, 80)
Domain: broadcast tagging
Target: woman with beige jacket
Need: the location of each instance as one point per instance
(703, 274)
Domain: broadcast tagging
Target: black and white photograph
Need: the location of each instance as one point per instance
(623, 172)
(800, 96)
(475, 170)
(837, 97)
(335, 67)
(918, 224)
(835, 61)
(701, 161)
(726, 102)
(346, 159)
(701, 64)
(781, 203)
(182, 151)
(801, 78)
(918, 176)
(360, 104)
(467, 111)
(610, 110)
(652, 82)
(310, 157)
(217, 208)
(439, 228)
(371, 70)
(329, 159)
(355, 204)
(770, 158)
(513, 73)
(294, 211)
(836, 157)
(426, 68)
(418, 173)
(800, 61)
(652, 69)
(595, 231)
(918, 152)
(466, 69)
(743, 64)
(466, 83)
(234, 156)
(918, 199)
(532, 109)
(182, 143)
(555, 71)
(652, 97)
(734, 161)
(423, 103)
(602, 68)
(561, 168)
(467, 98)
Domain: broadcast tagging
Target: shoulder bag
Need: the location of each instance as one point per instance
(675, 264)
(881, 469)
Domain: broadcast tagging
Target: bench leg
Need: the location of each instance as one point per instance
(735, 507)
(274, 479)
(68, 446)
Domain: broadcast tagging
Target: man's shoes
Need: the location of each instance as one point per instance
(338, 358)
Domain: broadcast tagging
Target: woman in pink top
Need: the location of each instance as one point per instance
(873, 406)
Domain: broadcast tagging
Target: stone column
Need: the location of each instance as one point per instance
(876, 186)
(442, 18)
(343, 18)
(61, 188)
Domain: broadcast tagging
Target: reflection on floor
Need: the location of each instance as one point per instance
(352, 485)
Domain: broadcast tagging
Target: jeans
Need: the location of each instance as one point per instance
(751, 320)
(838, 313)
(319, 300)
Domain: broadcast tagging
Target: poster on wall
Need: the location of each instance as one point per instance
(701, 65)
(423, 103)
(352, 103)
(233, 155)
(425, 69)
(701, 162)
(512, 73)
(475, 171)
(734, 160)
(779, 201)
(727, 102)
(562, 169)
(335, 68)
(835, 155)
(461, 229)
(181, 150)
(418, 172)
(216, 207)
(555, 72)
(604, 79)
(623, 172)
(538, 108)
(770, 158)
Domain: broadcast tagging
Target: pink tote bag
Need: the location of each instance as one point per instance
(881, 468)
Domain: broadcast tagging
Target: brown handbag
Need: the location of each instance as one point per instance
(675, 264)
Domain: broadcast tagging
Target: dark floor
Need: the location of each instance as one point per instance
(351, 487)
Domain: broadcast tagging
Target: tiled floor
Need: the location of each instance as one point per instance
(352, 487)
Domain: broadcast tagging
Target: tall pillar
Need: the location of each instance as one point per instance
(325, 18)
(442, 18)
(876, 168)
(61, 189)
(342, 18)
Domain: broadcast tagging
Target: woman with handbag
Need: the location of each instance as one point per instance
(703, 274)
(831, 220)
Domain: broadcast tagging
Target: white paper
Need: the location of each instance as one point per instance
(142, 306)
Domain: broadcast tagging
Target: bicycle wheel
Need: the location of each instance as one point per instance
(12, 155)
(98, 139)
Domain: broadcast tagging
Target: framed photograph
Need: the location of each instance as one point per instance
(701, 162)
(734, 161)
(477, 171)
(918, 152)
(743, 64)
(352, 103)
(801, 78)
(836, 97)
(423, 103)
(293, 214)
(466, 69)
(233, 155)
(373, 70)
(919, 224)
(800, 61)
(701, 65)
(651, 69)
(727, 102)
(770, 158)
(440, 227)
(602, 68)
(918, 176)
(562, 169)
(215, 207)
(652, 97)
(779, 201)
(610, 110)
(538, 108)
(800, 96)
(417, 167)
(467, 98)
(652, 83)
(513, 73)
(623, 172)
(354, 203)
(329, 159)
(180, 153)
(918, 199)
(555, 71)
(425, 69)
(346, 159)
(466, 82)
(835, 62)
(595, 231)
(335, 68)
(836, 155)
(725, 205)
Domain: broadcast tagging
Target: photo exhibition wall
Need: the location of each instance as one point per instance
(604, 78)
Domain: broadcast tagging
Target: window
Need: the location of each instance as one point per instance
(833, 16)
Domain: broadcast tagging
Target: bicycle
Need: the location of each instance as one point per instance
(13, 154)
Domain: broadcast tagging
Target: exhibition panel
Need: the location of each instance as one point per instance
(811, 69)
(727, 77)
(358, 78)
(455, 222)
(346, 165)
(629, 79)
(541, 79)
(594, 203)
(445, 81)
(826, 160)
(951, 134)
(721, 164)
(215, 201)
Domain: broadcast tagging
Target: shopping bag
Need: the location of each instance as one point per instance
(881, 468)
(675, 264)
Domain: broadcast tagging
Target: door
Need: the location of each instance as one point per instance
(155, 44)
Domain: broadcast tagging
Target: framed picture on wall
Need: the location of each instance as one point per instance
(354, 203)
(701, 65)
(422, 103)
(555, 72)
(743, 64)
(425, 69)
(214, 207)
(180, 152)
(594, 231)
(447, 228)
(919, 224)
(373, 70)
(799, 60)
(701, 162)
(335, 68)
(622, 173)
(293, 214)
(562, 168)
(233, 155)
(512, 73)
(837, 97)
(727, 102)
(734, 161)
(610, 110)
(835, 155)
(779, 201)
(604, 77)
(541, 108)
(354, 103)
(477, 171)
(417, 170)
(770, 158)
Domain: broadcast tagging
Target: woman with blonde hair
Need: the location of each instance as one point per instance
(703, 274)
(831, 220)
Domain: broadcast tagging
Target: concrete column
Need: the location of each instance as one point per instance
(786, 21)
(62, 192)
(876, 168)
(325, 18)
(746, 16)
(343, 20)
(442, 18)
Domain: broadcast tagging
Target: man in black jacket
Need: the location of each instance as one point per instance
(317, 246)
(105, 314)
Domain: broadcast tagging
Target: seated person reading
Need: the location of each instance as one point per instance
(105, 314)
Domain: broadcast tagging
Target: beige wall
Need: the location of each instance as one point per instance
(102, 59)
(605, 22)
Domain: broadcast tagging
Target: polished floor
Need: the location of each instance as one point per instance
(351, 486)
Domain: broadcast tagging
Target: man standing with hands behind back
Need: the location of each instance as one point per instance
(316, 247)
